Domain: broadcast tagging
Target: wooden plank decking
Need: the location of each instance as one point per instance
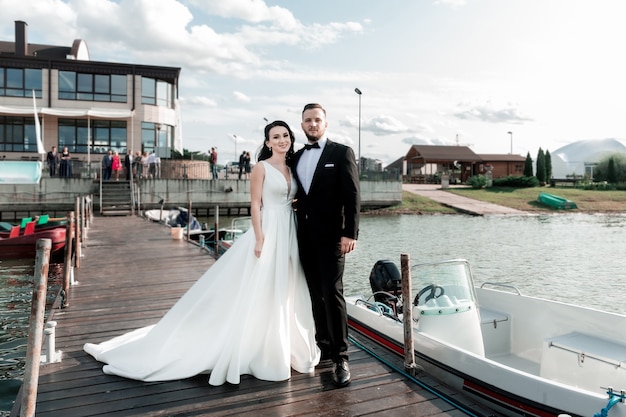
(131, 274)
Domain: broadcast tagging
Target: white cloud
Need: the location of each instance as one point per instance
(488, 112)
(241, 97)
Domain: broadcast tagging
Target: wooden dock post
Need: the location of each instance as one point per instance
(216, 235)
(35, 329)
(67, 260)
(77, 232)
(407, 313)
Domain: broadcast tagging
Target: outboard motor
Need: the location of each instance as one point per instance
(386, 283)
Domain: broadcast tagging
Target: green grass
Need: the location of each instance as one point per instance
(588, 201)
(591, 201)
(415, 204)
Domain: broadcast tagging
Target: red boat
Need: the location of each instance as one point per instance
(23, 246)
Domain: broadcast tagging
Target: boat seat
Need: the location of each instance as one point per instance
(496, 330)
(15, 231)
(589, 362)
(25, 221)
(30, 228)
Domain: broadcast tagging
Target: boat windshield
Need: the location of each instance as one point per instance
(443, 287)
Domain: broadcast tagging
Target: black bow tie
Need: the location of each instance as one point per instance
(311, 146)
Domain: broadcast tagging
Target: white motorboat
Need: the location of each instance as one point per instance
(173, 217)
(518, 355)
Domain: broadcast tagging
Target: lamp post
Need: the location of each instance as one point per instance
(235, 137)
(511, 134)
(356, 90)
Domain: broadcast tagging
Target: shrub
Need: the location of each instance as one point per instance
(477, 181)
(516, 181)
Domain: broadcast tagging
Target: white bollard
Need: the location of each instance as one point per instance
(52, 355)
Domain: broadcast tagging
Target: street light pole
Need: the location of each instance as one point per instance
(235, 136)
(356, 90)
(511, 134)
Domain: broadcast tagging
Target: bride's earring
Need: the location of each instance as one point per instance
(270, 149)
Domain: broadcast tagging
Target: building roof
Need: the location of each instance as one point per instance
(397, 164)
(435, 153)
(498, 157)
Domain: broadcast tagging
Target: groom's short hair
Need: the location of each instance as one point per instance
(313, 106)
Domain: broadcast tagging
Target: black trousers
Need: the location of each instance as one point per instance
(323, 267)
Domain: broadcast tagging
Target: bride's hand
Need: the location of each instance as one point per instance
(257, 247)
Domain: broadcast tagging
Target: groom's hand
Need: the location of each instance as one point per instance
(347, 245)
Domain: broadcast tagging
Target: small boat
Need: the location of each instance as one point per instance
(173, 217)
(24, 246)
(226, 236)
(41, 223)
(554, 201)
(518, 355)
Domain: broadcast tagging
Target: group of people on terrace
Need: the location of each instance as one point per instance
(59, 164)
(140, 165)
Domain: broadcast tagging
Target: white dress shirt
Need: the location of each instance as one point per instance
(307, 164)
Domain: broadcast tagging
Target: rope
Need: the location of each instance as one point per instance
(613, 399)
(412, 378)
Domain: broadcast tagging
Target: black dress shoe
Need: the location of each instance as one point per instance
(341, 376)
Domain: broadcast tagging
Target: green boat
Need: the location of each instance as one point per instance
(556, 202)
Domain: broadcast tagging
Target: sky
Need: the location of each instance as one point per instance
(438, 72)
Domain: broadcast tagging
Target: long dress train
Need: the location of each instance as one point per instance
(245, 315)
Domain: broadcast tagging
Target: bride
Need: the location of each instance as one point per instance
(250, 313)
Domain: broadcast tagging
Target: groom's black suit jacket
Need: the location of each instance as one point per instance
(331, 208)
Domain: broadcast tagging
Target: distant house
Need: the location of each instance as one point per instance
(426, 164)
(87, 106)
(502, 165)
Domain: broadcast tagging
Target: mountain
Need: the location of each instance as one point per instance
(573, 158)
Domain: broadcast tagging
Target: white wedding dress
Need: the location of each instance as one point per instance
(245, 315)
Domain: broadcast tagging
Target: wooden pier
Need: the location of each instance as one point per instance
(132, 272)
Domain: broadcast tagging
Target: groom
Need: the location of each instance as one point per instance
(327, 208)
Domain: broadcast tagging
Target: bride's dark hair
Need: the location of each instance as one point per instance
(266, 152)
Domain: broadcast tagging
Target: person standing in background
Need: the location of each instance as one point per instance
(107, 165)
(53, 160)
(242, 159)
(213, 161)
(246, 165)
(152, 165)
(128, 163)
(145, 165)
(327, 206)
(116, 165)
(65, 167)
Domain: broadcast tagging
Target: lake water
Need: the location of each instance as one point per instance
(576, 258)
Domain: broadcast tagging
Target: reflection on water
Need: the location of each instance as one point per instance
(16, 289)
(574, 258)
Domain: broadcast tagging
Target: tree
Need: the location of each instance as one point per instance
(541, 167)
(611, 171)
(548, 165)
(528, 166)
(601, 170)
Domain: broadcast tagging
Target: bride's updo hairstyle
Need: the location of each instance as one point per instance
(266, 152)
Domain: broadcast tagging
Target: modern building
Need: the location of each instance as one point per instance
(89, 107)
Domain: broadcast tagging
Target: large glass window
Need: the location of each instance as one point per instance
(92, 87)
(105, 135)
(156, 137)
(20, 82)
(156, 92)
(18, 134)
